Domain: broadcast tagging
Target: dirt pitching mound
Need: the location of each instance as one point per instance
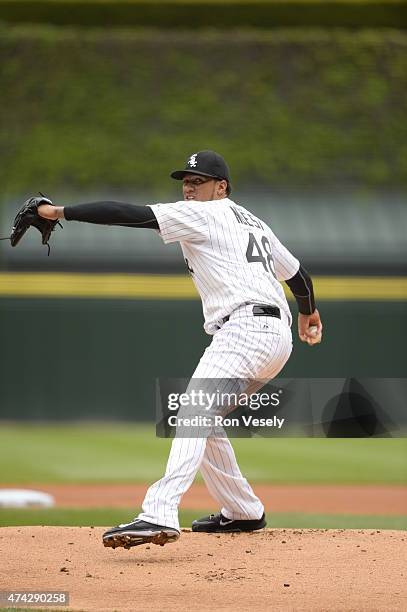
(276, 569)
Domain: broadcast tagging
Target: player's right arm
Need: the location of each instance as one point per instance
(290, 270)
(308, 316)
(104, 213)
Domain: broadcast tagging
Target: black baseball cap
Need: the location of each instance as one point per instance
(205, 163)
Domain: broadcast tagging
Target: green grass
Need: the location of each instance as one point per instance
(131, 453)
(113, 516)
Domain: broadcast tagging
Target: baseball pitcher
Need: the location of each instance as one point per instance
(237, 264)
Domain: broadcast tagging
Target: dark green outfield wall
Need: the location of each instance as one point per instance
(99, 358)
(91, 110)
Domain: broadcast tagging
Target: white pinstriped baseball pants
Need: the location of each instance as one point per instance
(246, 347)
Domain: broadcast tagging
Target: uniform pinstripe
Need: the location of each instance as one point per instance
(235, 261)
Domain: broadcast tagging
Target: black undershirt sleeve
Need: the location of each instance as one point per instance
(301, 286)
(112, 213)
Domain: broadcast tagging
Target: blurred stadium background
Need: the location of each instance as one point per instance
(101, 100)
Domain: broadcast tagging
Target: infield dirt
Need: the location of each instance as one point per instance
(329, 499)
(276, 569)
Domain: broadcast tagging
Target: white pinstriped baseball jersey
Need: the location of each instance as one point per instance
(234, 257)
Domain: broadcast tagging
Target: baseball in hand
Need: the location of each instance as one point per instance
(316, 336)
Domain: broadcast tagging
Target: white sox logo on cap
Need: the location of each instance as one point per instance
(192, 160)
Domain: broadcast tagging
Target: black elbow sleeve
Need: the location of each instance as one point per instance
(303, 291)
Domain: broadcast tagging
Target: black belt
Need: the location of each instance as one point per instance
(261, 310)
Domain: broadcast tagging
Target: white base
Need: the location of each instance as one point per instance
(25, 498)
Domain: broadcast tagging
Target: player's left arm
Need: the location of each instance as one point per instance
(309, 320)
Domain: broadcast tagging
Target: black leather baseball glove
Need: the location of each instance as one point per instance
(28, 216)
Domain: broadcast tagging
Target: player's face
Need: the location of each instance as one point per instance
(202, 188)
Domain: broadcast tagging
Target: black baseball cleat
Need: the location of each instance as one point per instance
(217, 523)
(139, 532)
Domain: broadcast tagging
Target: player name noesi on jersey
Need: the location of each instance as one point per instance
(217, 420)
(245, 217)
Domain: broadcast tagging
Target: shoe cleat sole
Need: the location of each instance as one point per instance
(129, 540)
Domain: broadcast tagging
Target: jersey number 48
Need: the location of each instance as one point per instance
(256, 254)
